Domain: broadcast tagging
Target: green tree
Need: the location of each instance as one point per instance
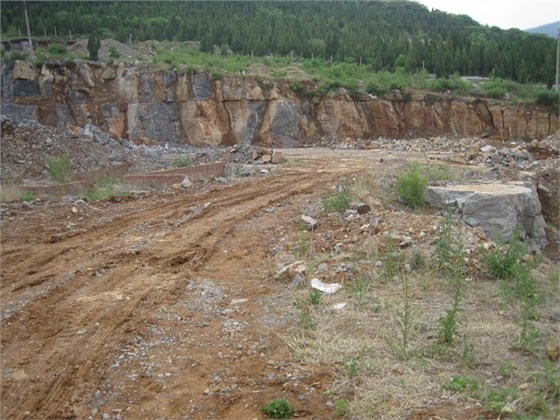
(93, 45)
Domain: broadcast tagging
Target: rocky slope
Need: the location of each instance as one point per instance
(169, 107)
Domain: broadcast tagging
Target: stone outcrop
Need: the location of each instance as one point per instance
(170, 107)
(497, 209)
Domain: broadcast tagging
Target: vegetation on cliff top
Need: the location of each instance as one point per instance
(381, 35)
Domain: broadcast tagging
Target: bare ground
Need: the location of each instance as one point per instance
(166, 306)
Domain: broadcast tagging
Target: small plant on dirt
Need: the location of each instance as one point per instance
(238, 170)
(393, 259)
(113, 53)
(27, 196)
(315, 297)
(417, 260)
(104, 188)
(60, 168)
(450, 260)
(278, 409)
(448, 255)
(302, 247)
(505, 261)
(341, 407)
(500, 400)
(404, 317)
(338, 202)
(461, 383)
(359, 288)
(411, 186)
(351, 367)
(182, 161)
(306, 321)
(448, 322)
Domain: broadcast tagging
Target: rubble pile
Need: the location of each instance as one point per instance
(26, 148)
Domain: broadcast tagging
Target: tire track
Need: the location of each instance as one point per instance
(79, 304)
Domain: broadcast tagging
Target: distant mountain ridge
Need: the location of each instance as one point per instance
(550, 29)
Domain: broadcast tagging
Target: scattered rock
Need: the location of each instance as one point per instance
(497, 209)
(325, 287)
(361, 208)
(186, 183)
(310, 223)
(472, 152)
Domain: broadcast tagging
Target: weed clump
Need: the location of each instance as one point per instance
(182, 161)
(411, 186)
(338, 202)
(60, 168)
(278, 409)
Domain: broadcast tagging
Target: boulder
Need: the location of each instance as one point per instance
(497, 209)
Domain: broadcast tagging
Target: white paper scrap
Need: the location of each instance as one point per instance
(325, 287)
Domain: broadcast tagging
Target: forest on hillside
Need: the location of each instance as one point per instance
(383, 35)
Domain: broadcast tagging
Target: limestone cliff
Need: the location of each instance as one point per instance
(169, 107)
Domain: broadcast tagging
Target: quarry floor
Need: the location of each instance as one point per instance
(165, 305)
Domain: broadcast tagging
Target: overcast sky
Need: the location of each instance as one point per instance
(506, 14)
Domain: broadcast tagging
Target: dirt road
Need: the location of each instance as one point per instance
(158, 306)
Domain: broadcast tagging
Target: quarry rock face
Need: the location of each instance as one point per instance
(170, 107)
(497, 209)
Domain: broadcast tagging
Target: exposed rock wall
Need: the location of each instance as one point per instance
(168, 107)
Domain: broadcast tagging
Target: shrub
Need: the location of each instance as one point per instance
(278, 409)
(411, 186)
(113, 53)
(504, 262)
(548, 98)
(495, 88)
(104, 188)
(60, 168)
(17, 55)
(337, 202)
(57, 50)
(182, 161)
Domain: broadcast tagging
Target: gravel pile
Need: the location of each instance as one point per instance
(26, 148)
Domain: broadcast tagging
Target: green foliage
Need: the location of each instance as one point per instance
(411, 186)
(497, 399)
(449, 259)
(16, 55)
(461, 383)
(93, 45)
(495, 88)
(549, 98)
(27, 196)
(341, 407)
(238, 170)
(351, 367)
(392, 260)
(505, 261)
(359, 288)
(113, 53)
(278, 409)
(453, 83)
(182, 161)
(104, 188)
(393, 36)
(57, 50)
(338, 202)
(60, 168)
(315, 297)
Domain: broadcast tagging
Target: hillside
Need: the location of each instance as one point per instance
(550, 29)
(380, 35)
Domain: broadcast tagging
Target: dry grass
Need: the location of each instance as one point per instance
(365, 336)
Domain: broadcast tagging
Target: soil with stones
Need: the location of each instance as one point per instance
(165, 305)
